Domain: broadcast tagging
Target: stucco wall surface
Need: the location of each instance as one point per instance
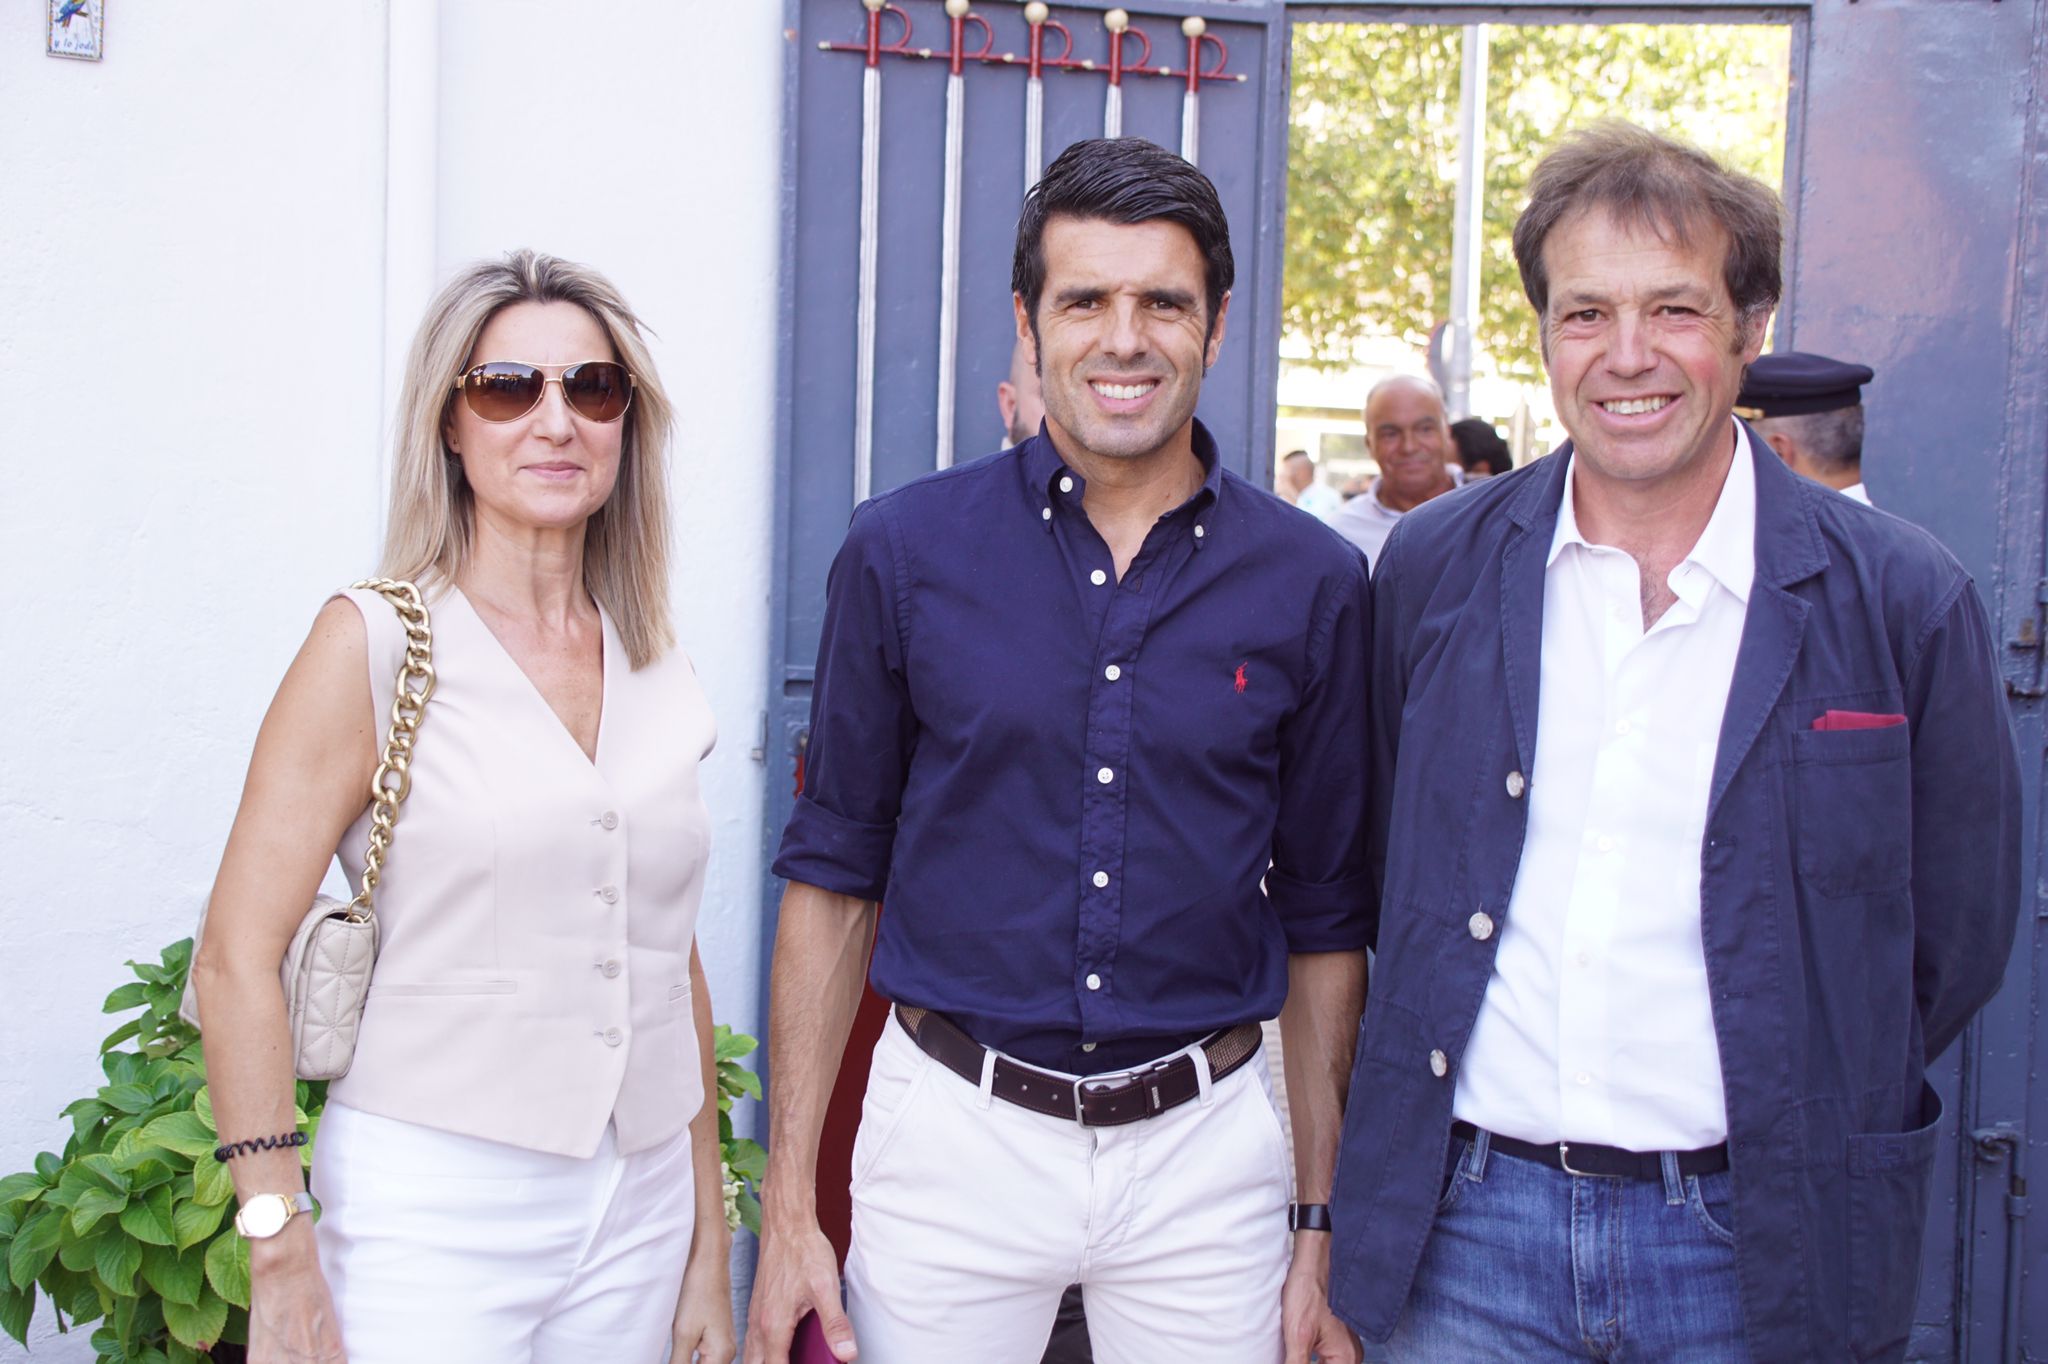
(200, 240)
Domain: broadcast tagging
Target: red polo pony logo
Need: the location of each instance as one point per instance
(1238, 680)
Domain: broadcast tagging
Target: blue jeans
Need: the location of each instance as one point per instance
(1531, 1264)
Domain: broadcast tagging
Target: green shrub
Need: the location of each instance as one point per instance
(132, 1226)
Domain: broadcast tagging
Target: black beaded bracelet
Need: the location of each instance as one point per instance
(230, 1150)
(1308, 1217)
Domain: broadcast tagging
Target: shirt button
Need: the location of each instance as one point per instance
(1066, 484)
(608, 894)
(1517, 784)
(1045, 513)
(612, 1037)
(1604, 843)
(1094, 981)
(1585, 958)
(1623, 727)
(1112, 672)
(1104, 775)
(1481, 925)
(1101, 879)
(611, 970)
(1582, 1078)
(1200, 532)
(609, 819)
(1439, 1064)
(1087, 1046)
(1098, 577)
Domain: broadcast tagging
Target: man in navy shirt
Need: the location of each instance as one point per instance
(1698, 810)
(1089, 716)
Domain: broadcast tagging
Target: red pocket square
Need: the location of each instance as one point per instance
(1857, 719)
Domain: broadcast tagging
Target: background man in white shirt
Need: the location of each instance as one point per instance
(1810, 409)
(1299, 485)
(1409, 433)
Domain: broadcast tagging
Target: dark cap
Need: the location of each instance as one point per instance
(1790, 383)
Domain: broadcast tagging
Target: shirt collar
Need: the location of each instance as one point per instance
(1726, 549)
(1043, 470)
(1456, 472)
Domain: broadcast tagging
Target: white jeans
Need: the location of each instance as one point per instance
(448, 1248)
(971, 1216)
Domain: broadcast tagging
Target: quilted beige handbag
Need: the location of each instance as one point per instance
(326, 970)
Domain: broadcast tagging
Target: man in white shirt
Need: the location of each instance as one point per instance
(1696, 825)
(1810, 409)
(1409, 434)
(1299, 485)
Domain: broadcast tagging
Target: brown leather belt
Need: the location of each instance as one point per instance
(1108, 1100)
(1611, 1162)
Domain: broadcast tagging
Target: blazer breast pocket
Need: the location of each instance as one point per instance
(1852, 808)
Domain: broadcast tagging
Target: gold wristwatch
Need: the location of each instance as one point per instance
(264, 1215)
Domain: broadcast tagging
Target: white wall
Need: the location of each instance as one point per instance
(194, 274)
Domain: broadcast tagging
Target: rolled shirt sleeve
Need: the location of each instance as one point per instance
(842, 833)
(1320, 882)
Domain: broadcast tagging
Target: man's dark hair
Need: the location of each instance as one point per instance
(1832, 439)
(1479, 443)
(1665, 186)
(1123, 180)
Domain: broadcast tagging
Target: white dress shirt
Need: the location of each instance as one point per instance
(1855, 490)
(1597, 1025)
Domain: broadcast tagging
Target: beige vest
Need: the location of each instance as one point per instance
(537, 908)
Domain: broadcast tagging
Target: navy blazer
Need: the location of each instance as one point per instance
(1859, 889)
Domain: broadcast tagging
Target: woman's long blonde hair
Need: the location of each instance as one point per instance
(626, 545)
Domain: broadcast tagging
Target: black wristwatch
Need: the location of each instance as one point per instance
(1308, 1217)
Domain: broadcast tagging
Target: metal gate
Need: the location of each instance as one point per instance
(1916, 168)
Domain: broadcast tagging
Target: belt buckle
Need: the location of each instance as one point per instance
(1564, 1160)
(1116, 1082)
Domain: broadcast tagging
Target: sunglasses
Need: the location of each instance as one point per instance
(506, 390)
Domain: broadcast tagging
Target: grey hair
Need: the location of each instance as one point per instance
(1833, 441)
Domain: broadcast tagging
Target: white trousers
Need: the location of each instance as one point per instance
(972, 1215)
(450, 1248)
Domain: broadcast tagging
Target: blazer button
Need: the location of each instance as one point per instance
(1516, 785)
(1481, 925)
(612, 1037)
(1439, 1064)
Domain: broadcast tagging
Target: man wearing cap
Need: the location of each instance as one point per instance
(1810, 409)
(1697, 809)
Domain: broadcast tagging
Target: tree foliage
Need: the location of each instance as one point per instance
(1373, 169)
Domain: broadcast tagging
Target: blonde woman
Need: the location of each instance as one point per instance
(521, 1163)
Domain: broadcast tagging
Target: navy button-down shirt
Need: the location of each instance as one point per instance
(1101, 812)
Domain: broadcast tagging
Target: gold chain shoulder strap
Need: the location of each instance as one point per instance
(393, 780)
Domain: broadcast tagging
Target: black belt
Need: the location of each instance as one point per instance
(1584, 1158)
(1109, 1100)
